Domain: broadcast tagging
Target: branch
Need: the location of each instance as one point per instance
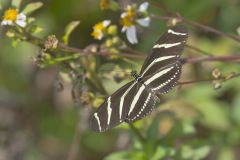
(210, 80)
(231, 58)
(197, 25)
(64, 48)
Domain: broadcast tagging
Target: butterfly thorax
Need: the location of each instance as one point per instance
(137, 77)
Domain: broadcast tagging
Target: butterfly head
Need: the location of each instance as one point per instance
(136, 76)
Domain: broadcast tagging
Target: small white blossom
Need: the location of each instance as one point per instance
(143, 7)
(129, 21)
(99, 28)
(12, 17)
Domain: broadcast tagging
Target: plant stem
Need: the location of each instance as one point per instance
(137, 133)
(209, 80)
(231, 58)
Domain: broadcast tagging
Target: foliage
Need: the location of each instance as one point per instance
(198, 120)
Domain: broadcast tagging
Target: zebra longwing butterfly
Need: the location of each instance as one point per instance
(159, 74)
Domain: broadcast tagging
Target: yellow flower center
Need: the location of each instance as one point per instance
(10, 14)
(130, 11)
(96, 34)
(128, 19)
(99, 26)
(98, 30)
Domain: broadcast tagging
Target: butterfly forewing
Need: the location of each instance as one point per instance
(113, 111)
(167, 50)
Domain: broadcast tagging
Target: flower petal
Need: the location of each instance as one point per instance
(132, 35)
(7, 22)
(21, 23)
(22, 17)
(143, 7)
(124, 29)
(106, 23)
(144, 21)
(124, 14)
(21, 20)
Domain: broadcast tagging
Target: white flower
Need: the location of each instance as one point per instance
(129, 20)
(143, 7)
(144, 21)
(99, 29)
(21, 20)
(131, 34)
(11, 17)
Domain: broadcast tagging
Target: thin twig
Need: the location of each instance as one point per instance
(211, 29)
(161, 6)
(208, 80)
(231, 58)
(197, 25)
(62, 47)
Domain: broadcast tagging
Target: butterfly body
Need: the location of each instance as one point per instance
(159, 74)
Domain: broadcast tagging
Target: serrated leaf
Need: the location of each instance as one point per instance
(16, 3)
(69, 29)
(31, 7)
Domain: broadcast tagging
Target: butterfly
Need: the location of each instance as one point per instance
(159, 74)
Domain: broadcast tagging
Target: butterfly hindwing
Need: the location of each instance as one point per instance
(142, 104)
(164, 79)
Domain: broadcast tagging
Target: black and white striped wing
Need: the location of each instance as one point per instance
(128, 104)
(159, 74)
(163, 80)
(142, 104)
(167, 50)
(115, 109)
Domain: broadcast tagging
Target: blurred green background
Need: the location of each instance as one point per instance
(193, 122)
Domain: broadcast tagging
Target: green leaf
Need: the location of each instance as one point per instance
(201, 153)
(187, 152)
(16, 3)
(35, 29)
(226, 153)
(31, 7)
(159, 153)
(69, 29)
(152, 132)
(124, 155)
(215, 113)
